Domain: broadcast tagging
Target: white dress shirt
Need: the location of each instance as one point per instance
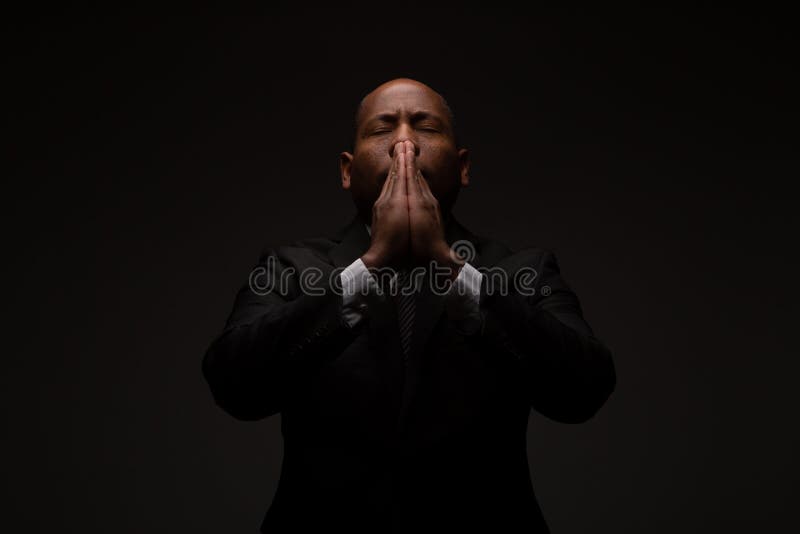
(462, 300)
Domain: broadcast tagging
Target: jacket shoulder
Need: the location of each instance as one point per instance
(494, 252)
(302, 252)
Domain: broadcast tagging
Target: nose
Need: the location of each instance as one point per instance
(399, 139)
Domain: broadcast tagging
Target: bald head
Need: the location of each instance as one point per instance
(394, 88)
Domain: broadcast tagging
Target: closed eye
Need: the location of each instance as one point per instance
(427, 126)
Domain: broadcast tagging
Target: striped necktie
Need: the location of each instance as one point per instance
(404, 300)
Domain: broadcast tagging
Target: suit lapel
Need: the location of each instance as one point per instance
(353, 241)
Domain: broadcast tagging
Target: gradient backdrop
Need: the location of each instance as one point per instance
(150, 160)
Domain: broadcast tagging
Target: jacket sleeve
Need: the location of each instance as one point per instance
(566, 373)
(283, 325)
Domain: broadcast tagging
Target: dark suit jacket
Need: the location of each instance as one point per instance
(371, 445)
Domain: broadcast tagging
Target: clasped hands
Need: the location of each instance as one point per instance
(407, 226)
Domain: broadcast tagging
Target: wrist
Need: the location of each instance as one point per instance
(372, 259)
(445, 257)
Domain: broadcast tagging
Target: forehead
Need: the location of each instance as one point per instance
(403, 98)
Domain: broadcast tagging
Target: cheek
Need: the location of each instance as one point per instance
(372, 158)
(438, 158)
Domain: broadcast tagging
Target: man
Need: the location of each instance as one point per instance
(404, 405)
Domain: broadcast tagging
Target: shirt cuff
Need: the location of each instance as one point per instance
(357, 282)
(463, 299)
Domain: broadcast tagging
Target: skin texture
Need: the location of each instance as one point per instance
(405, 173)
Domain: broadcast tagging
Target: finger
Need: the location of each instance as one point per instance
(401, 189)
(415, 187)
(427, 194)
(411, 161)
(411, 173)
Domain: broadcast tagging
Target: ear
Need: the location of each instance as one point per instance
(345, 163)
(463, 164)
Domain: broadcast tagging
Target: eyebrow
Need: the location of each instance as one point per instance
(415, 117)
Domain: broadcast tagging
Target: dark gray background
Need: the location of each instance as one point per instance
(151, 159)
